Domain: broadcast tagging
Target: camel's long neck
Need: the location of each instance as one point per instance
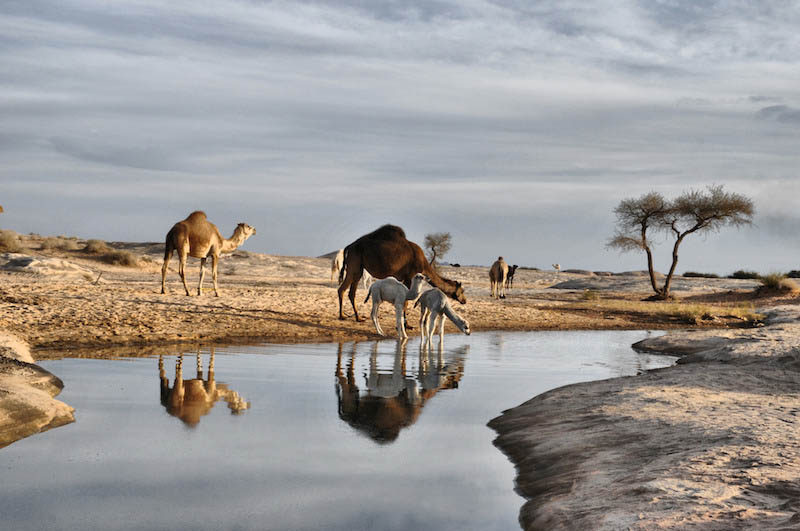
(233, 243)
(447, 286)
(415, 291)
(453, 316)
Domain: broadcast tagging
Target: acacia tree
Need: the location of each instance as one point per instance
(437, 243)
(692, 212)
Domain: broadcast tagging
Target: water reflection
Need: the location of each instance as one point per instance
(392, 400)
(190, 399)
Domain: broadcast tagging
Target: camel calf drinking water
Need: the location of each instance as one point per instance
(434, 305)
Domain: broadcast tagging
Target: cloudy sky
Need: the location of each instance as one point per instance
(515, 125)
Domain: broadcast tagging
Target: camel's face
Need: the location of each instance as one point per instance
(466, 327)
(459, 294)
(247, 230)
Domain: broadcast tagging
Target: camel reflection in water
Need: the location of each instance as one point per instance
(393, 400)
(190, 399)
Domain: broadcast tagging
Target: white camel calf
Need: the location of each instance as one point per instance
(392, 290)
(337, 263)
(434, 305)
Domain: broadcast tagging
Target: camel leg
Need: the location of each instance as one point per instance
(399, 310)
(350, 281)
(441, 326)
(214, 259)
(375, 306)
(167, 258)
(431, 325)
(202, 276)
(422, 313)
(182, 271)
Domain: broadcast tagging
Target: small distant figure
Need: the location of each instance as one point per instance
(557, 267)
(497, 278)
(337, 264)
(510, 277)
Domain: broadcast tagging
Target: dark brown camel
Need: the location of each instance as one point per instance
(386, 252)
(510, 278)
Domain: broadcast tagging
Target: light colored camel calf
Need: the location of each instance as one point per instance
(337, 264)
(392, 290)
(434, 305)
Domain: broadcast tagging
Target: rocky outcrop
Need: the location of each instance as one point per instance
(27, 405)
(711, 443)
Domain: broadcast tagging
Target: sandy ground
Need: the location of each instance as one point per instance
(709, 443)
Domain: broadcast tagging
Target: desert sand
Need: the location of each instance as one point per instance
(711, 442)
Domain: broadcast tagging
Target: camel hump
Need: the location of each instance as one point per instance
(197, 215)
(388, 232)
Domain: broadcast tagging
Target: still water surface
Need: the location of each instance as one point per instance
(371, 435)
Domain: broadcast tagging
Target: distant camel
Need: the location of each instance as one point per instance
(557, 267)
(337, 263)
(386, 252)
(392, 290)
(497, 278)
(197, 237)
(510, 277)
(434, 306)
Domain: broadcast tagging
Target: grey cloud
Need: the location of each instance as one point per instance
(780, 113)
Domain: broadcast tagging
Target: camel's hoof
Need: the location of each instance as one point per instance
(342, 318)
(360, 319)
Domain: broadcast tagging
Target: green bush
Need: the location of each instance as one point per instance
(745, 275)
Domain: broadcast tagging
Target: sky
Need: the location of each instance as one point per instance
(516, 126)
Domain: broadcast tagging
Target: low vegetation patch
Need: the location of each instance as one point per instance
(96, 247)
(778, 282)
(695, 274)
(683, 312)
(121, 258)
(745, 275)
(9, 242)
(59, 243)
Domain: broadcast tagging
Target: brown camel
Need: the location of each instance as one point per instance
(510, 278)
(497, 277)
(386, 252)
(197, 237)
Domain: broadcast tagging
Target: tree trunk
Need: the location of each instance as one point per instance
(651, 271)
(668, 281)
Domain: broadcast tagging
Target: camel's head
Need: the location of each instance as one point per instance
(459, 294)
(246, 230)
(466, 329)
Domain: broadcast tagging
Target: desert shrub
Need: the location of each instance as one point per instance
(695, 274)
(9, 241)
(744, 275)
(779, 282)
(96, 247)
(60, 243)
(590, 295)
(122, 258)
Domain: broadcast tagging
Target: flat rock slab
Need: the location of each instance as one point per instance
(27, 405)
(713, 443)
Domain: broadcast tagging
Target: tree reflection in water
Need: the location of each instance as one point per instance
(393, 400)
(190, 399)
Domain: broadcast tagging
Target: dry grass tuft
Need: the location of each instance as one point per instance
(96, 247)
(687, 313)
(59, 243)
(120, 258)
(779, 282)
(9, 241)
